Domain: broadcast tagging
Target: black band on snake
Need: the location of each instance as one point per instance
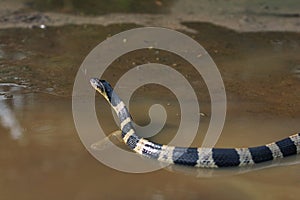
(197, 157)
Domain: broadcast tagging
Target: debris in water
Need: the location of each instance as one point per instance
(42, 26)
(8, 96)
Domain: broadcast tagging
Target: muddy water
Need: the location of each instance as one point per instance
(42, 156)
(46, 158)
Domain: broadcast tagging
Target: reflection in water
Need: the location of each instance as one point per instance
(8, 120)
(208, 173)
(7, 116)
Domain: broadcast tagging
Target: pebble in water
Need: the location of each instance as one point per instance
(202, 114)
(8, 96)
(42, 26)
(19, 56)
(2, 54)
(296, 71)
(49, 89)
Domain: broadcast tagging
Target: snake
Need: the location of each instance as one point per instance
(203, 157)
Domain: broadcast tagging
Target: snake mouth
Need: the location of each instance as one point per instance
(96, 83)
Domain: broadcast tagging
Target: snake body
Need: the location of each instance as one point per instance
(197, 157)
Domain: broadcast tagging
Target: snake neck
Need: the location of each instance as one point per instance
(124, 116)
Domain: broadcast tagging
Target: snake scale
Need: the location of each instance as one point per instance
(197, 157)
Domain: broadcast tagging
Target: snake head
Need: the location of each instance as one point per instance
(102, 86)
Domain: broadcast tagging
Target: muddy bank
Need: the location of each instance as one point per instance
(258, 15)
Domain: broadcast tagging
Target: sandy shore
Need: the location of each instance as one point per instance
(238, 15)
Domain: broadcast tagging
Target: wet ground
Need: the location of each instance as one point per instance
(41, 153)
